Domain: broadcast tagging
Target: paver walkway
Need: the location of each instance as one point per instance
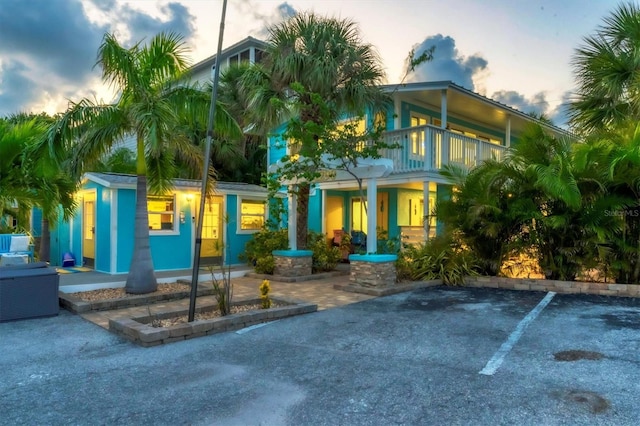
(320, 292)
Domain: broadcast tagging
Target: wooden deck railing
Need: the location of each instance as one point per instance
(429, 148)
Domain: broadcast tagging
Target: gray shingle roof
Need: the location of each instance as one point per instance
(118, 180)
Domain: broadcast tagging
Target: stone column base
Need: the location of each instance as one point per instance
(373, 270)
(293, 263)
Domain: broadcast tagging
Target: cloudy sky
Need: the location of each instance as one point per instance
(514, 51)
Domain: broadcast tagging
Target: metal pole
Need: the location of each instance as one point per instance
(205, 171)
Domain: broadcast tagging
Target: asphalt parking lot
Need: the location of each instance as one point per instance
(434, 356)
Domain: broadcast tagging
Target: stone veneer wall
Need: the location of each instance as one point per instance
(568, 287)
(373, 274)
(292, 266)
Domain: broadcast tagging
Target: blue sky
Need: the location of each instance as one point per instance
(515, 51)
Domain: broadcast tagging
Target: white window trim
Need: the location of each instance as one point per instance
(176, 223)
(239, 200)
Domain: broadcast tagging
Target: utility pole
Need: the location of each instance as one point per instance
(205, 171)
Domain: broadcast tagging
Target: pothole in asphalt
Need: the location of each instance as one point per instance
(576, 355)
(590, 400)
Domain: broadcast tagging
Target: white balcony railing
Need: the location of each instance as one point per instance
(428, 148)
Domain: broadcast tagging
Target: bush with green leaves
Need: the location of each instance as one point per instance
(325, 257)
(258, 251)
(439, 258)
(265, 265)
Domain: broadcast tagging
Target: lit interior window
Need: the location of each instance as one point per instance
(161, 212)
(252, 215)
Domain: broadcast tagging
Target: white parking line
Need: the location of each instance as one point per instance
(495, 362)
(253, 327)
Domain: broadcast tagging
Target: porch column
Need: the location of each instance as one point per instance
(323, 215)
(426, 213)
(292, 207)
(372, 215)
(397, 110)
(443, 108)
(507, 137)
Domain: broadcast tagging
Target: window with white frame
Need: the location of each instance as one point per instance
(162, 212)
(252, 214)
(418, 136)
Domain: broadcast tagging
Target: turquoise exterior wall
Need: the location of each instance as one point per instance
(103, 229)
(236, 239)
(36, 222)
(168, 252)
(125, 217)
(59, 240)
(315, 212)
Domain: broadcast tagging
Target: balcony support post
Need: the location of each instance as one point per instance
(397, 109)
(292, 226)
(443, 108)
(372, 215)
(426, 213)
(507, 142)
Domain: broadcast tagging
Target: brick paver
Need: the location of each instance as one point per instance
(320, 292)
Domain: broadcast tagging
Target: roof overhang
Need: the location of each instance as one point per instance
(468, 105)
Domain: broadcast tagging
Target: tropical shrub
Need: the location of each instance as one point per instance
(325, 257)
(265, 265)
(264, 289)
(439, 258)
(258, 251)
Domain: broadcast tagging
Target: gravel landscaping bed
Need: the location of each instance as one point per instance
(120, 293)
(117, 298)
(211, 314)
(141, 331)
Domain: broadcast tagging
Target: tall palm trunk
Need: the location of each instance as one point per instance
(141, 278)
(44, 252)
(302, 218)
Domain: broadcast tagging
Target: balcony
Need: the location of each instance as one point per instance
(429, 148)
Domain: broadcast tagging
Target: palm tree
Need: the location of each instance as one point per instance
(546, 198)
(152, 101)
(32, 176)
(608, 72)
(15, 198)
(310, 56)
(617, 155)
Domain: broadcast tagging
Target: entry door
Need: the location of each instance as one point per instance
(89, 230)
(382, 222)
(358, 215)
(212, 244)
(334, 214)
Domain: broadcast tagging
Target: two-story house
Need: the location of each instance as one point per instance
(433, 124)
